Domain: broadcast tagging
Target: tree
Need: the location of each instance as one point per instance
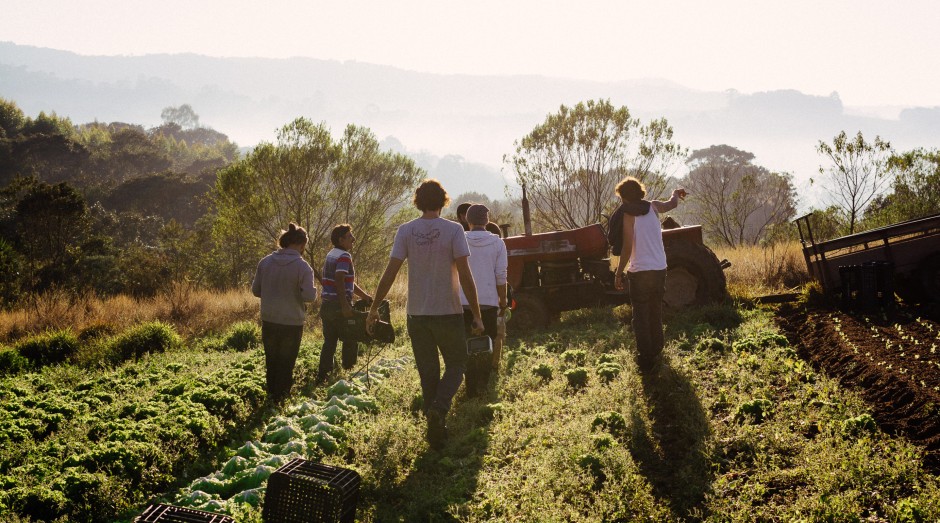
(184, 116)
(312, 180)
(52, 222)
(572, 161)
(915, 187)
(857, 174)
(736, 201)
(12, 119)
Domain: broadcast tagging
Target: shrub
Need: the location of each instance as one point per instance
(574, 356)
(544, 371)
(11, 361)
(608, 371)
(577, 377)
(603, 442)
(611, 422)
(593, 466)
(151, 337)
(711, 345)
(771, 339)
(243, 336)
(50, 347)
(748, 345)
(96, 331)
(859, 425)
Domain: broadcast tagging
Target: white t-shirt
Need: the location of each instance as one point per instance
(431, 247)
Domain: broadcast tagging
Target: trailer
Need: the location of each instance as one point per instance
(911, 249)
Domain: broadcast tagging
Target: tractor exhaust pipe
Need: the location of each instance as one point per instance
(526, 217)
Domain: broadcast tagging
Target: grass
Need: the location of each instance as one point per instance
(758, 270)
(193, 312)
(735, 429)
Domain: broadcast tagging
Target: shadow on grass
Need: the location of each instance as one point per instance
(671, 453)
(439, 482)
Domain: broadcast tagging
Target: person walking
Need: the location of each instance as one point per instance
(643, 249)
(283, 281)
(437, 254)
(462, 215)
(338, 280)
(488, 264)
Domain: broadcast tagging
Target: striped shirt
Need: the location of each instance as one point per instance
(337, 260)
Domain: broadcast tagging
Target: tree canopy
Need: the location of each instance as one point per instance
(736, 200)
(572, 161)
(857, 172)
(311, 179)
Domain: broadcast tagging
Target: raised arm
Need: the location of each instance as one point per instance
(670, 204)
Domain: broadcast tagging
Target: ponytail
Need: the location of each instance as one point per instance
(292, 236)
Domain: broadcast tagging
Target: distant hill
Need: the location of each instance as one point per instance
(457, 126)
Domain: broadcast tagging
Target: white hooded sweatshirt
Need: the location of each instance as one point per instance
(488, 264)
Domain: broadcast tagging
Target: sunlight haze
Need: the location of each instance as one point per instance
(871, 53)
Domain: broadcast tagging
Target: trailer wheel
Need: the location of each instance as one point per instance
(694, 275)
(929, 276)
(530, 312)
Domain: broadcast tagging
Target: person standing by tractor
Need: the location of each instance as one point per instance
(437, 254)
(642, 247)
(488, 263)
(339, 285)
(283, 281)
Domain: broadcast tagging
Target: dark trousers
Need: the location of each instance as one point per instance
(332, 318)
(480, 365)
(646, 296)
(430, 334)
(281, 345)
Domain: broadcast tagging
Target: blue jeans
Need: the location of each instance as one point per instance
(430, 334)
(331, 315)
(281, 345)
(646, 296)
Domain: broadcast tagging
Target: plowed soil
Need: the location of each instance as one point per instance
(894, 362)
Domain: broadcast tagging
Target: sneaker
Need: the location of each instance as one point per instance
(437, 429)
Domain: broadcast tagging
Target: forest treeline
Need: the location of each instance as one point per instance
(115, 208)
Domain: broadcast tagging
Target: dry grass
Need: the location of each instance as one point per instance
(760, 270)
(193, 312)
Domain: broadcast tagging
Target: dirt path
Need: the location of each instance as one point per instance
(894, 362)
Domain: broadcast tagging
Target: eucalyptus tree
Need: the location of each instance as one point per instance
(735, 200)
(311, 179)
(570, 163)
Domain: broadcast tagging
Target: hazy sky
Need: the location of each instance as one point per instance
(870, 52)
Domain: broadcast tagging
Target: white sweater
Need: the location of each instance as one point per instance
(488, 264)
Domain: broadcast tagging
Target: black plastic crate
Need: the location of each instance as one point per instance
(305, 491)
(867, 286)
(169, 514)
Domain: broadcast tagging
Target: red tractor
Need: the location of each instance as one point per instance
(561, 271)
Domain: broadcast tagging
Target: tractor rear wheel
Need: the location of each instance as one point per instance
(694, 275)
(530, 312)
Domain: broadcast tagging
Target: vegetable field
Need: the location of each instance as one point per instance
(893, 360)
(742, 423)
